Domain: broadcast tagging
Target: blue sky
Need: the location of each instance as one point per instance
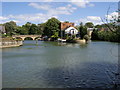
(39, 12)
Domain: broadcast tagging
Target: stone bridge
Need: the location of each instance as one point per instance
(26, 36)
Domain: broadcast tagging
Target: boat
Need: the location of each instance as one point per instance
(61, 40)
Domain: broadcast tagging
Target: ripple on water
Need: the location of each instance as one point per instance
(52, 65)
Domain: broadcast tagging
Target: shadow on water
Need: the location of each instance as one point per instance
(87, 76)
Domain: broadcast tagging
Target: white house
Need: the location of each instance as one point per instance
(71, 30)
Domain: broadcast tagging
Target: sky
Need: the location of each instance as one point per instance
(72, 11)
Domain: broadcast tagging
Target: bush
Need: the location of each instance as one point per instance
(86, 37)
(71, 40)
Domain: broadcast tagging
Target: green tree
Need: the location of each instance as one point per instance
(33, 29)
(10, 28)
(26, 28)
(82, 30)
(22, 31)
(52, 27)
(94, 35)
(98, 26)
(89, 25)
(41, 28)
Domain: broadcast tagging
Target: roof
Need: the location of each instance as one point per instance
(65, 25)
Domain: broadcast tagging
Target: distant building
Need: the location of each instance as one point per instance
(90, 30)
(103, 29)
(68, 28)
(2, 29)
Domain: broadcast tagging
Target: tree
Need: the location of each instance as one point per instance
(98, 26)
(10, 28)
(23, 31)
(52, 27)
(66, 21)
(94, 35)
(82, 30)
(33, 29)
(89, 25)
(41, 28)
(26, 27)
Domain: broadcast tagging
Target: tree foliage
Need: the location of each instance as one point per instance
(52, 27)
(10, 27)
(33, 29)
(89, 25)
(82, 30)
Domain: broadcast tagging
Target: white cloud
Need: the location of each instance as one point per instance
(66, 10)
(40, 17)
(3, 18)
(82, 3)
(112, 16)
(37, 6)
(97, 19)
(23, 18)
(93, 18)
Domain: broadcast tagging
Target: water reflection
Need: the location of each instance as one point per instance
(58, 65)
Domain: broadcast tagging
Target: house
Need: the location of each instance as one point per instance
(68, 28)
(71, 31)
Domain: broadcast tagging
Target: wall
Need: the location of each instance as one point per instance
(11, 43)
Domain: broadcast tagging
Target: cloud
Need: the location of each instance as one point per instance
(94, 19)
(82, 3)
(97, 19)
(112, 16)
(37, 6)
(66, 10)
(39, 17)
(3, 18)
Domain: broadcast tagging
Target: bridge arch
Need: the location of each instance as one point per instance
(28, 38)
(19, 38)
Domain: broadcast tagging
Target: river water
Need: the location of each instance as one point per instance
(60, 65)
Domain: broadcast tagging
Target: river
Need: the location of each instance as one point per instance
(56, 65)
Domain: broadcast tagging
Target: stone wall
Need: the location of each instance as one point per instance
(12, 43)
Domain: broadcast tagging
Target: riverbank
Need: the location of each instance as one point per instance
(6, 43)
(17, 45)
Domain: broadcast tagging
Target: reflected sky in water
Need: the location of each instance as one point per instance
(60, 65)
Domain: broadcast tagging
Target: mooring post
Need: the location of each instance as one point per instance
(36, 41)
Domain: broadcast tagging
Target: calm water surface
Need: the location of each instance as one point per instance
(55, 65)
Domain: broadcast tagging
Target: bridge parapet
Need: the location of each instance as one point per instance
(25, 36)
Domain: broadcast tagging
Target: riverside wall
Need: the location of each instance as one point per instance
(13, 43)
